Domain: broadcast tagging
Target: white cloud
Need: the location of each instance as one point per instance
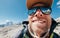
(58, 4)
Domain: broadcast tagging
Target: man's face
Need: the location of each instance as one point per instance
(39, 22)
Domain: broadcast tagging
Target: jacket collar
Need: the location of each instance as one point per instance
(54, 24)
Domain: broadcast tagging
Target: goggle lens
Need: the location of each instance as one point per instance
(44, 10)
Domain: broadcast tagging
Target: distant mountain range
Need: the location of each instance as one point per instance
(11, 23)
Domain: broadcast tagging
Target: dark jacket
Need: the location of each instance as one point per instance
(52, 34)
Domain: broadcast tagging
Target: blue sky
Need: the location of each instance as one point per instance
(16, 11)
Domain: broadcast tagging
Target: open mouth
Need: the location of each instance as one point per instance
(39, 21)
(42, 21)
(40, 24)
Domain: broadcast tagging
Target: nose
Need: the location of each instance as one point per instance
(38, 13)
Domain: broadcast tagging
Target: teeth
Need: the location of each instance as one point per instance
(40, 21)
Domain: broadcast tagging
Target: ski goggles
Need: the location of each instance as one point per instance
(44, 10)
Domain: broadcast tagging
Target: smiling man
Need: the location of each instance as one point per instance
(41, 25)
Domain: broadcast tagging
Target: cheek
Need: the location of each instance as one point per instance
(49, 21)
